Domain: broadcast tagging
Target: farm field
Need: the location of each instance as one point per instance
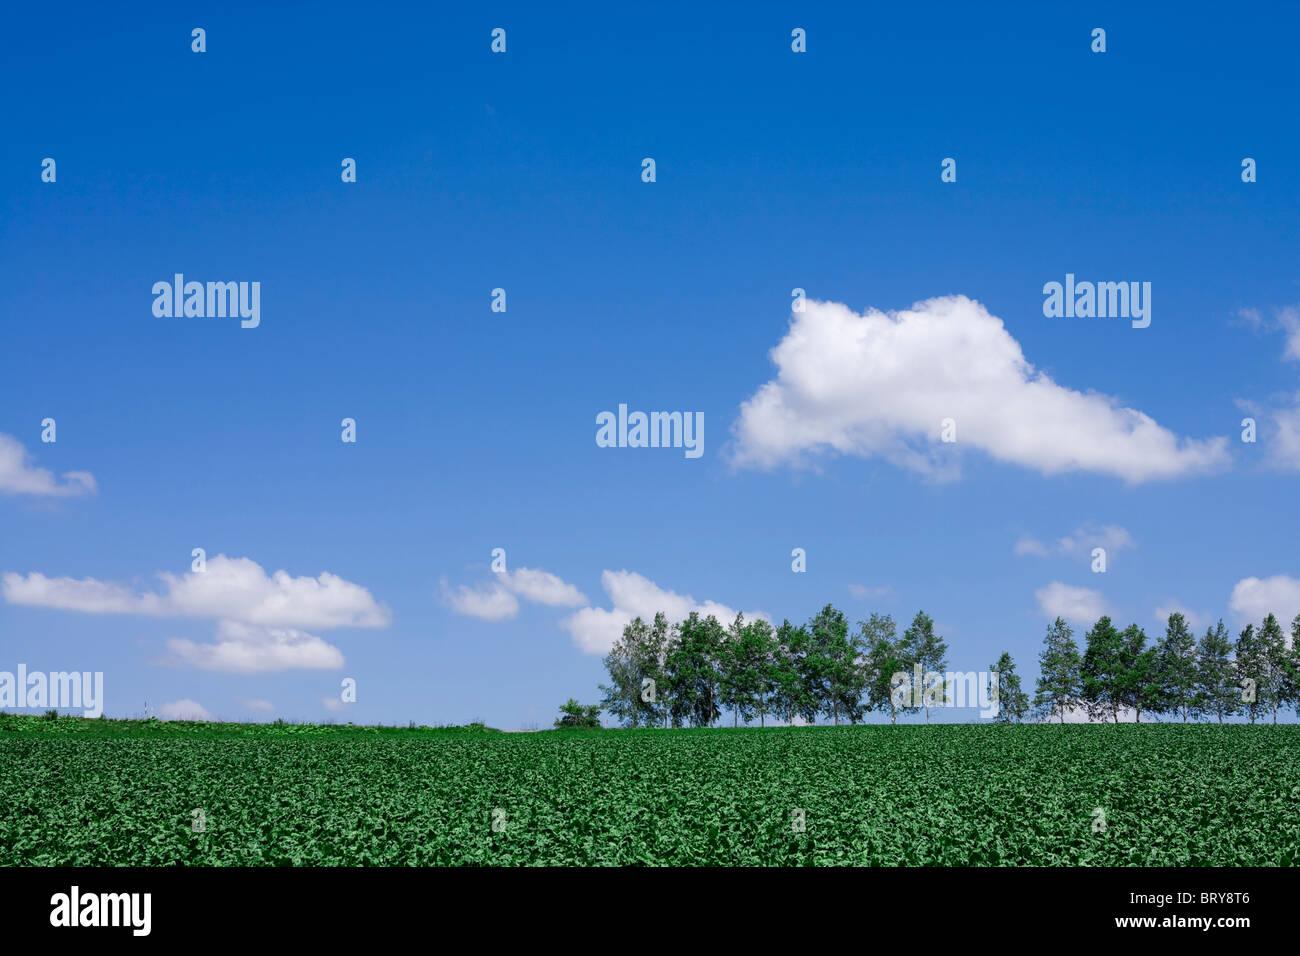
(85, 792)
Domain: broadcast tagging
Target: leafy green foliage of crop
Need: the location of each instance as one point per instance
(1181, 795)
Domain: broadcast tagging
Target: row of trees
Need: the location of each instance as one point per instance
(693, 671)
(1214, 677)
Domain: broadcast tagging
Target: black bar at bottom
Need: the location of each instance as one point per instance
(949, 905)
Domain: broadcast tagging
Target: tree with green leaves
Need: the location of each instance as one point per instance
(1139, 679)
(1004, 687)
(885, 658)
(622, 693)
(758, 647)
(1176, 667)
(731, 690)
(1293, 667)
(832, 665)
(1275, 664)
(1103, 670)
(651, 657)
(1216, 691)
(692, 671)
(789, 687)
(575, 715)
(745, 661)
(1250, 671)
(1060, 683)
(926, 648)
(635, 665)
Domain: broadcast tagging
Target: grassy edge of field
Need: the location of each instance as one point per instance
(152, 726)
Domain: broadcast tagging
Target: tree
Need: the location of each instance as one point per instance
(730, 681)
(790, 692)
(885, 659)
(1293, 667)
(1250, 670)
(1139, 685)
(929, 650)
(1275, 664)
(832, 665)
(1013, 703)
(1059, 680)
(635, 665)
(744, 664)
(623, 692)
(1176, 666)
(574, 714)
(692, 671)
(651, 658)
(1103, 670)
(758, 646)
(1215, 691)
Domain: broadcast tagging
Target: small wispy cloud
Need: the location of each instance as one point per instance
(19, 476)
(1080, 543)
(884, 592)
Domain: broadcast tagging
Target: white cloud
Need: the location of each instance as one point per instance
(492, 603)
(1028, 544)
(1196, 620)
(595, 630)
(1081, 605)
(1080, 543)
(261, 619)
(184, 709)
(1255, 598)
(87, 595)
(542, 587)
(1284, 444)
(497, 600)
(332, 704)
(1286, 320)
(258, 705)
(880, 384)
(883, 593)
(1289, 319)
(1250, 318)
(234, 589)
(249, 649)
(18, 476)
(1281, 423)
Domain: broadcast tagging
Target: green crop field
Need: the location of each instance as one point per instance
(82, 792)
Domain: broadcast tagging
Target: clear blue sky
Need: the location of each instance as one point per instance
(522, 170)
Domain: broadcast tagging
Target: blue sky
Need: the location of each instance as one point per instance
(475, 429)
